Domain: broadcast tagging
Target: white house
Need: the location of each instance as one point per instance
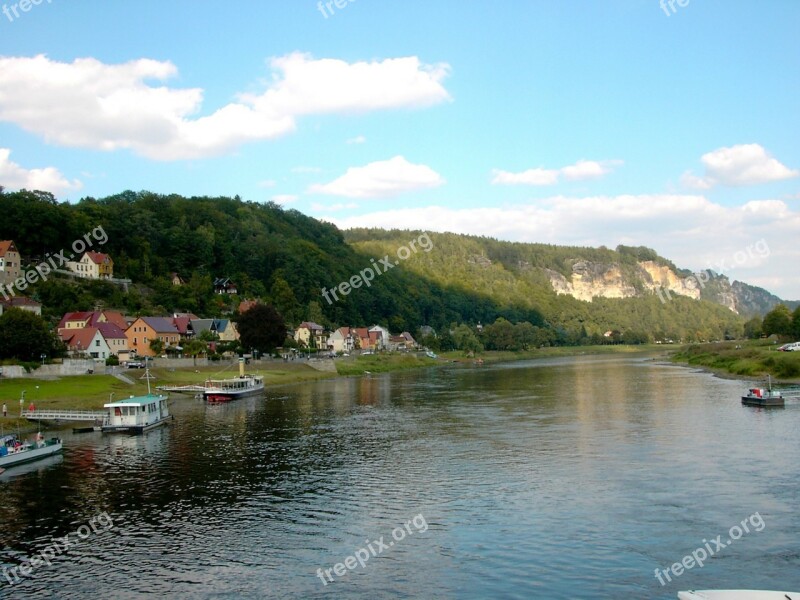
(383, 339)
(341, 340)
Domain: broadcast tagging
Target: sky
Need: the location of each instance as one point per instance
(673, 124)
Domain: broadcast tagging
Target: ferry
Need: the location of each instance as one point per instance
(763, 397)
(225, 390)
(14, 451)
(136, 414)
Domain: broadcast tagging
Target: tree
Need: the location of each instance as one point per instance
(796, 322)
(25, 336)
(466, 340)
(194, 348)
(778, 321)
(157, 346)
(261, 328)
(752, 329)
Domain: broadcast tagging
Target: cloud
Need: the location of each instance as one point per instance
(303, 169)
(689, 229)
(359, 139)
(316, 207)
(267, 183)
(581, 170)
(283, 199)
(382, 179)
(745, 164)
(89, 104)
(49, 179)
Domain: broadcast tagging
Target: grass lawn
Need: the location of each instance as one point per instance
(753, 358)
(382, 363)
(503, 356)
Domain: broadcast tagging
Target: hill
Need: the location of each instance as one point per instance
(288, 259)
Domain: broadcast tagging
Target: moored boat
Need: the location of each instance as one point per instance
(14, 451)
(225, 390)
(137, 414)
(737, 595)
(763, 396)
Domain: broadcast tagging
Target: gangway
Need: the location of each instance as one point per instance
(181, 389)
(64, 415)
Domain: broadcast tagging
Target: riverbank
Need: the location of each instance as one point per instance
(90, 392)
(752, 359)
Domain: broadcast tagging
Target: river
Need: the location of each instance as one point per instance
(558, 478)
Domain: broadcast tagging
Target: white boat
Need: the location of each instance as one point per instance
(14, 451)
(737, 595)
(136, 414)
(226, 390)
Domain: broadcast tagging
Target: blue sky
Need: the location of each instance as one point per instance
(571, 122)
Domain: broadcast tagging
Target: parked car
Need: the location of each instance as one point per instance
(795, 347)
(135, 364)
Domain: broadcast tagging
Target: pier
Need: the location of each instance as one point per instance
(64, 415)
(181, 389)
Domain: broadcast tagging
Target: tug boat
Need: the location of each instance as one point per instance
(763, 397)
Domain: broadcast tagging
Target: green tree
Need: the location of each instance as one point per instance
(778, 321)
(752, 329)
(261, 328)
(466, 340)
(796, 322)
(157, 346)
(25, 336)
(194, 348)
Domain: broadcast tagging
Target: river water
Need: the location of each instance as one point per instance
(559, 478)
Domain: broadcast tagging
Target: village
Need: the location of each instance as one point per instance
(111, 337)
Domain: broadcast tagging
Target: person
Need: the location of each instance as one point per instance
(31, 408)
(5, 410)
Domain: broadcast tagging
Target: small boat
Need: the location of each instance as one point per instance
(763, 397)
(737, 595)
(225, 390)
(136, 414)
(14, 451)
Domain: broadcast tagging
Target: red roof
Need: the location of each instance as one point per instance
(98, 257)
(116, 318)
(75, 316)
(111, 331)
(182, 323)
(79, 339)
(18, 301)
(7, 246)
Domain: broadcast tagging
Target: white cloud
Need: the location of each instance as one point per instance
(90, 104)
(267, 183)
(382, 179)
(284, 199)
(359, 139)
(316, 207)
(581, 170)
(49, 179)
(689, 229)
(745, 164)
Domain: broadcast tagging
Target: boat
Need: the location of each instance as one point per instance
(737, 595)
(763, 397)
(225, 390)
(136, 414)
(14, 451)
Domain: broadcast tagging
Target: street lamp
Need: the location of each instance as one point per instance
(43, 357)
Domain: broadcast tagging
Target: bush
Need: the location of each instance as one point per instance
(112, 361)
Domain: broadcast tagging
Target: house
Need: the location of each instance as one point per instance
(176, 279)
(223, 285)
(86, 340)
(9, 262)
(361, 338)
(145, 329)
(427, 330)
(404, 341)
(93, 265)
(115, 338)
(201, 325)
(184, 326)
(246, 305)
(79, 320)
(311, 335)
(22, 303)
(226, 330)
(341, 340)
(383, 336)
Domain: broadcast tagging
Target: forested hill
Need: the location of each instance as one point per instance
(287, 258)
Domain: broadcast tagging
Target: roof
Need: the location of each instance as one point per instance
(201, 325)
(136, 400)
(182, 324)
(7, 246)
(111, 331)
(80, 339)
(161, 324)
(98, 257)
(246, 305)
(311, 325)
(75, 316)
(112, 316)
(19, 301)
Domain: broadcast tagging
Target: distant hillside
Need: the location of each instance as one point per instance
(287, 258)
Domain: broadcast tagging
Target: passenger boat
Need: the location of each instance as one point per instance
(763, 397)
(225, 390)
(737, 595)
(14, 451)
(136, 414)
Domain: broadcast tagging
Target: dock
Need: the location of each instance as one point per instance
(181, 389)
(64, 415)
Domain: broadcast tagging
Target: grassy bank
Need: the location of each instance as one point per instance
(382, 363)
(754, 359)
(506, 356)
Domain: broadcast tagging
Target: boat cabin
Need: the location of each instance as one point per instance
(136, 414)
